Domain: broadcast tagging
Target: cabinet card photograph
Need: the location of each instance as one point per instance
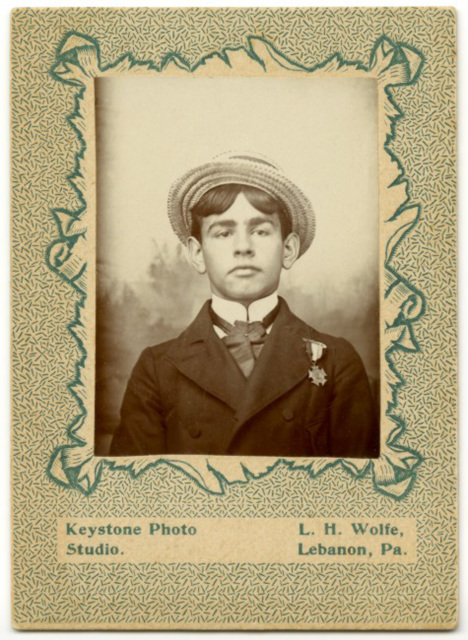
(233, 305)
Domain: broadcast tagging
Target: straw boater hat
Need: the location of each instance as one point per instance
(240, 168)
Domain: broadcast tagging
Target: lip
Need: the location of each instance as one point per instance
(245, 270)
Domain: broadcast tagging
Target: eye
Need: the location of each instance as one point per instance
(223, 234)
(261, 231)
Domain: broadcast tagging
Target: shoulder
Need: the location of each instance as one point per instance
(342, 348)
(310, 332)
(158, 351)
(336, 347)
(151, 365)
(179, 347)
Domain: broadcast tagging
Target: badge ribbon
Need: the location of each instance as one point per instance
(315, 351)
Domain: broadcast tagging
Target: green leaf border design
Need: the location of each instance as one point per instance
(74, 465)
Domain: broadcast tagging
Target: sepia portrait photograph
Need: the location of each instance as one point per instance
(237, 267)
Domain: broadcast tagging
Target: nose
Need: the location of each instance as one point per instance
(243, 245)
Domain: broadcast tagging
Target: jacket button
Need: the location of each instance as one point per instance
(288, 414)
(194, 431)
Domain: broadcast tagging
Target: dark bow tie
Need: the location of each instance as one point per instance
(245, 340)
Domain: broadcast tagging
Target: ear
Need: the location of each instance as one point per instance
(291, 247)
(195, 255)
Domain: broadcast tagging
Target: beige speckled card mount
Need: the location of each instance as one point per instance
(256, 430)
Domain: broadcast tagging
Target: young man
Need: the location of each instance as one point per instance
(247, 377)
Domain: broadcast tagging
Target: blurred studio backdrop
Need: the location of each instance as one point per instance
(321, 131)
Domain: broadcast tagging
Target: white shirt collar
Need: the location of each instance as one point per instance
(231, 311)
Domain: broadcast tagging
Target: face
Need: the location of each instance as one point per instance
(243, 252)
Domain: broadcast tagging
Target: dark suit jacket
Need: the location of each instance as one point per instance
(188, 396)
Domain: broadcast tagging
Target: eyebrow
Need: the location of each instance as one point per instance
(257, 221)
(254, 222)
(222, 223)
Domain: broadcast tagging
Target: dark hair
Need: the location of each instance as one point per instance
(218, 200)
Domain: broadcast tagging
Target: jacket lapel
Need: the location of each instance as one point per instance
(283, 363)
(202, 357)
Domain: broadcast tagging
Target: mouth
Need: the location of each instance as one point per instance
(245, 270)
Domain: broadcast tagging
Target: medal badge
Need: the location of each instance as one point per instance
(315, 351)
